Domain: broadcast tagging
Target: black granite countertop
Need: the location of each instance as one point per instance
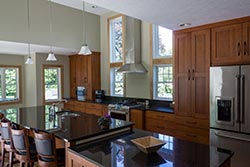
(68, 128)
(120, 151)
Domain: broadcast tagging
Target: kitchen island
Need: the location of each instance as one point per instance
(119, 151)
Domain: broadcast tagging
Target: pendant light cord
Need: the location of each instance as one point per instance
(50, 26)
(28, 20)
(84, 22)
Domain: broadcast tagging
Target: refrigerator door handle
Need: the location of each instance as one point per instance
(231, 137)
(238, 98)
(242, 92)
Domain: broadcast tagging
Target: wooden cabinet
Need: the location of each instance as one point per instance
(70, 105)
(136, 116)
(230, 44)
(192, 59)
(79, 106)
(74, 160)
(160, 122)
(85, 71)
(95, 109)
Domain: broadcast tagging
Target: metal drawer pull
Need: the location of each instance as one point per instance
(231, 137)
(245, 48)
(238, 49)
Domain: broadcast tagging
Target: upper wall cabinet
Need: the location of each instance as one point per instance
(231, 44)
(192, 59)
(85, 71)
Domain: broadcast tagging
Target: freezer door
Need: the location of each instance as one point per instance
(245, 90)
(236, 142)
(224, 95)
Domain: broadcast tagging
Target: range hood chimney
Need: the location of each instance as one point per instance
(132, 47)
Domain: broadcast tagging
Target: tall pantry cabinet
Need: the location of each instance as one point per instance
(191, 63)
(85, 71)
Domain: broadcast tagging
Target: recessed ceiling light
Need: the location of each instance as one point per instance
(185, 24)
(94, 6)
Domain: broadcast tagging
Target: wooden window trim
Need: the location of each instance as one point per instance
(19, 84)
(45, 66)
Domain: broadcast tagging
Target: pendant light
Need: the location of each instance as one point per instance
(84, 48)
(51, 55)
(29, 59)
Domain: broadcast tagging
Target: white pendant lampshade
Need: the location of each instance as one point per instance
(85, 50)
(51, 57)
(29, 60)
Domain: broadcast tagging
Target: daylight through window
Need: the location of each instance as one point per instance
(9, 84)
(116, 82)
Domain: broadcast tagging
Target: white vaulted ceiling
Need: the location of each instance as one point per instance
(171, 13)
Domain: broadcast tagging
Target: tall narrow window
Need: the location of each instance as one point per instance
(163, 82)
(115, 39)
(162, 42)
(116, 51)
(116, 83)
(52, 83)
(9, 84)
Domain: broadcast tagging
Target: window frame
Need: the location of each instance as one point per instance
(120, 63)
(19, 85)
(155, 82)
(155, 43)
(61, 84)
(112, 83)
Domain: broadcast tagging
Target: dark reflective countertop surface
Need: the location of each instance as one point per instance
(121, 152)
(69, 128)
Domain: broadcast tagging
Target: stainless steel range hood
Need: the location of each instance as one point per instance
(132, 47)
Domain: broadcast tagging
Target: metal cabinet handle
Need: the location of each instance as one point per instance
(245, 48)
(189, 75)
(193, 74)
(238, 49)
(231, 137)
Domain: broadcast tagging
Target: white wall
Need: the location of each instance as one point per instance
(67, 24)
(137, 85)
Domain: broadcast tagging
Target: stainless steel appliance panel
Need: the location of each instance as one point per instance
(245, 90)
(223, 91)
(236, 142)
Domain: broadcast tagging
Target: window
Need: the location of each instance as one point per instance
(9, 84)
(162, 42)
(116, 51)
(163, 82)
(115, 39)
(116, 80)
(52, 83)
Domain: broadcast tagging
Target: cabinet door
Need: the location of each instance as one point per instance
(182, 74)
(74, 160)
(72, 60)
(137, 117)
(246, 43)
(226, 45)
(200, 73)
(81, 70)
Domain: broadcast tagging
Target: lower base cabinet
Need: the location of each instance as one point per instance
(75, 160)
(137, 117)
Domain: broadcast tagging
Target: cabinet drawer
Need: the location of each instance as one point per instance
(160, 116)
(70, 102)
(74, 160)
(192, 134)
(94, 106)
(69, 106)
(192, 122)
(159, 126)
(79, 106)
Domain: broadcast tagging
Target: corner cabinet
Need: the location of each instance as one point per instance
(192, 60)
(231, 44)
(85, 71)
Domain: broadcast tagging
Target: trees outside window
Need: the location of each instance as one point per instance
(9, 84)
(116, 80)
(162, 42)
(163, 82)
(52, 83)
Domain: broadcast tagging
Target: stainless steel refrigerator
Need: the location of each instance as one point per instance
(230, 111)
